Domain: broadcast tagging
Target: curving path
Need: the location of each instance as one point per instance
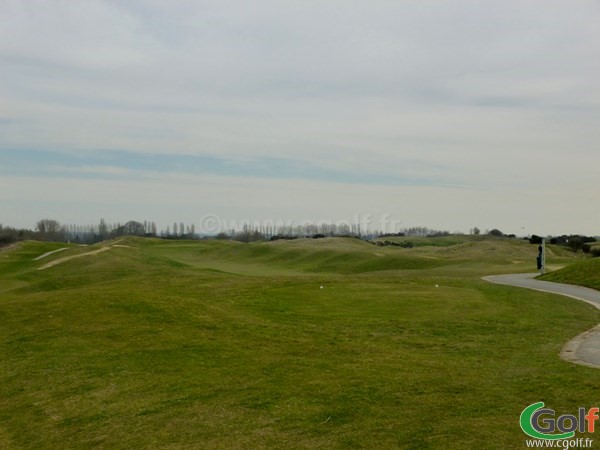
(50, 253)
(583, 349)
(68, 258)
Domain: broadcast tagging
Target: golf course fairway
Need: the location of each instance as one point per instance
(308, 343)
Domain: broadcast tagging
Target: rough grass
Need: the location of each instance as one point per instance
(227, 345)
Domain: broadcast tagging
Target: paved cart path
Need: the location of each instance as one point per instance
(583, 349)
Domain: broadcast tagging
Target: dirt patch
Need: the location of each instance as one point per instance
(50, 253)
(8, 247)
(68, 258)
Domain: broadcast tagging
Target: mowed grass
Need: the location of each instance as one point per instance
(226, 345)
(585, 273)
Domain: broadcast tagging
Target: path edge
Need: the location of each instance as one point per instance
(569, 351)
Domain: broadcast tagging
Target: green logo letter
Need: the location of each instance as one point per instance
(527, 426)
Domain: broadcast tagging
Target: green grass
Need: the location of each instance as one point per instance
(584, 273)
(224, 345)
(440, 241)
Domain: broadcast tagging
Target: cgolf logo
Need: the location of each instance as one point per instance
(539, 422)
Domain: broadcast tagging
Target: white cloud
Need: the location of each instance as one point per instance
(495, 96)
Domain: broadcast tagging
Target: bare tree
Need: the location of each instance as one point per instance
(103, 229)
(49, 230)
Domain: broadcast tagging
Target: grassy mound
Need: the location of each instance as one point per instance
(583, 273)
(157, 344)
(352, 256)
(335, 255)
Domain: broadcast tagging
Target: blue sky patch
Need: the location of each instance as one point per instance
(125, 164)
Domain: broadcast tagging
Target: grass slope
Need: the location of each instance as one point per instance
(331, 255)
(227, 345)
(584, 273)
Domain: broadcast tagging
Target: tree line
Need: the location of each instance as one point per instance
(575, 242)
(53, 231)
(251, 233)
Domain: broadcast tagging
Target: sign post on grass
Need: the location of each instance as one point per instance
(541, 259)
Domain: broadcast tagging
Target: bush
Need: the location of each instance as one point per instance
(7, 239)
(575, 242)
(534, 239)
(284, 238)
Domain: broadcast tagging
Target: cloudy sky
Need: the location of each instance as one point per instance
(446, 114)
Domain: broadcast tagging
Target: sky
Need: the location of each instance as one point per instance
(388, 113)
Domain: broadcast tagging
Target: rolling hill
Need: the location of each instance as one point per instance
(328, 343)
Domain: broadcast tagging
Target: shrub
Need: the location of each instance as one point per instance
(7, 239)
